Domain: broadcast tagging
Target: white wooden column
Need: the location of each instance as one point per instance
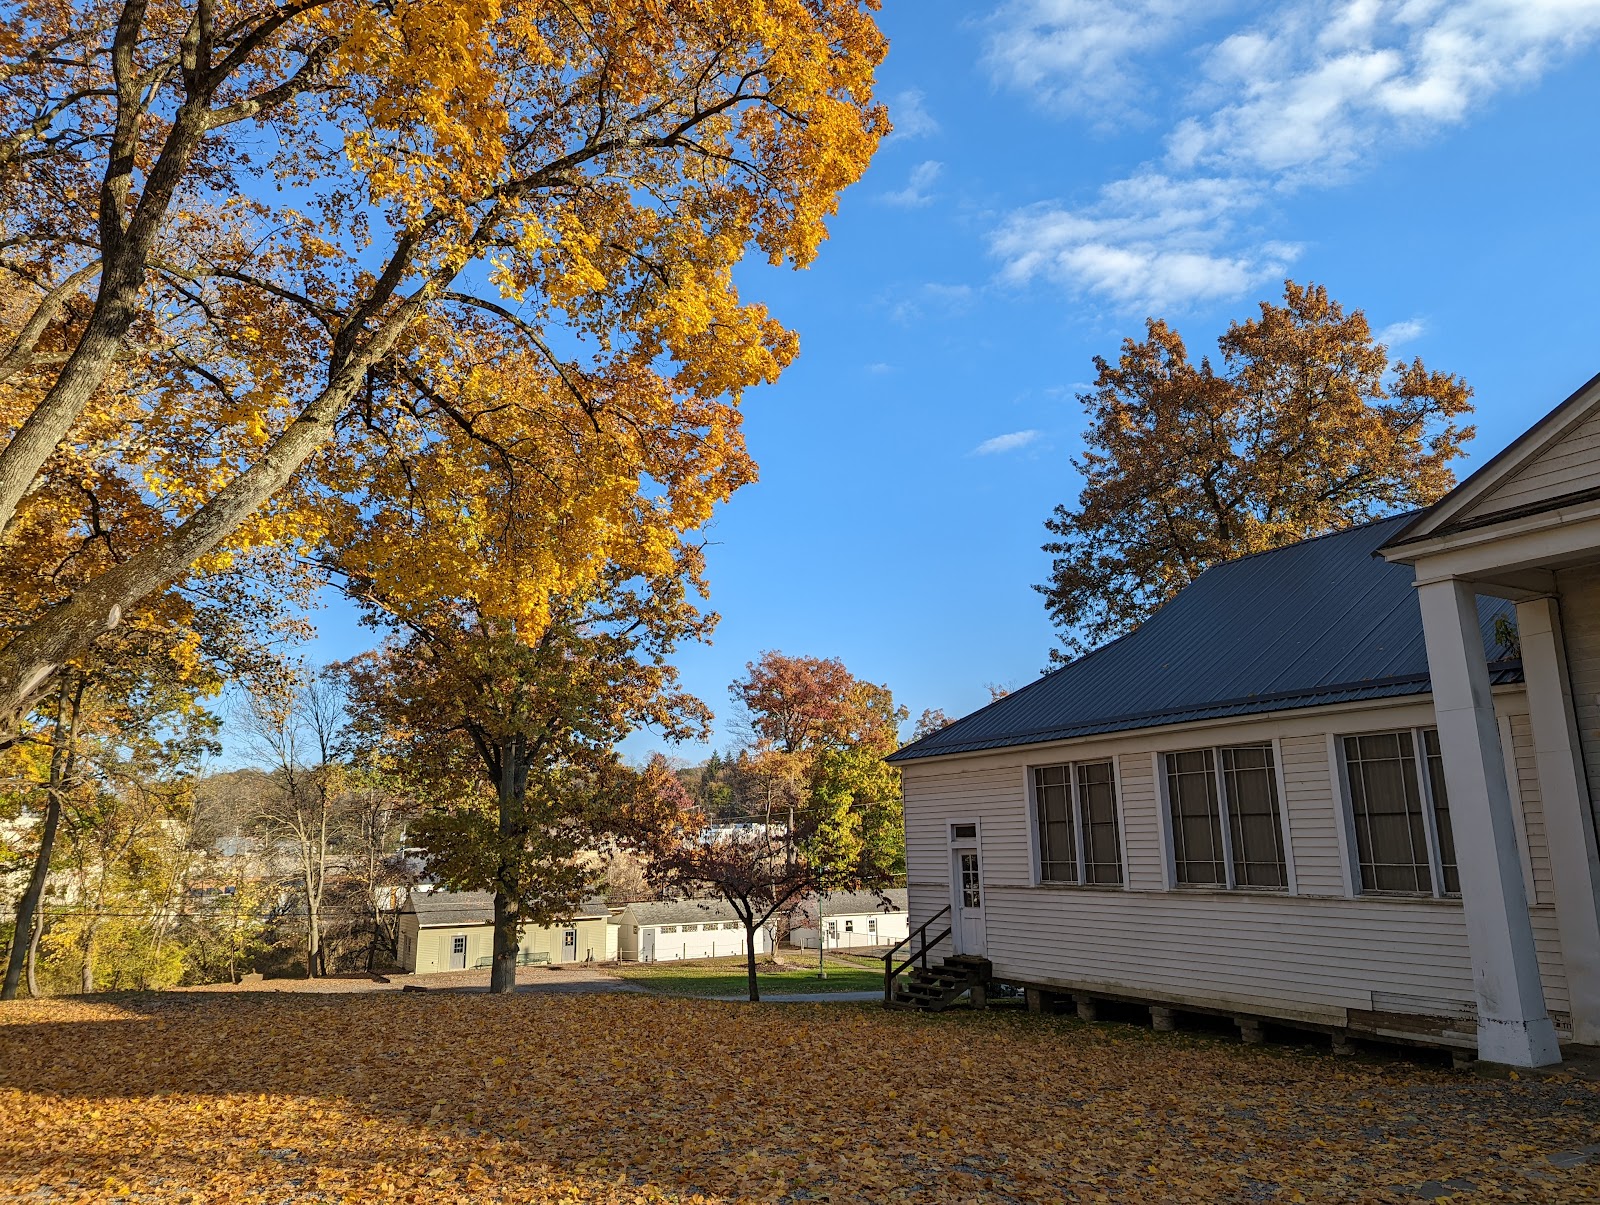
(1513, 1026)
(1569, 823)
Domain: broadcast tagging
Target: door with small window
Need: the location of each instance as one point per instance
(458, 952)
(966, 881)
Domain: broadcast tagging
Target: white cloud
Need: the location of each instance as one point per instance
(1306, 94)
(1149, 242)
(1005, 443)
(1315, 94)
(879, 368)
(1398, 333)
(915, 194)
(910, 115)
(1082, 55)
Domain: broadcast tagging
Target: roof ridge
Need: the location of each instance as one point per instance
(1113, 643)
(1321, 535)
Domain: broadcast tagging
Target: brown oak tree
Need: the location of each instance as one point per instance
(511, 743)
(1304, 427)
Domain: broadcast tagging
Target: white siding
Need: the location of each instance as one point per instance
(1313, 818)
(1309, 956)
(1275, 955)
(1536, 855)
(891, 929)
(1143, 867)
(1567, 467)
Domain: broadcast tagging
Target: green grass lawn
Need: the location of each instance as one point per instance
(726, 976)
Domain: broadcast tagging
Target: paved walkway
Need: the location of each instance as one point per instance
(566, 979)
(798, 997)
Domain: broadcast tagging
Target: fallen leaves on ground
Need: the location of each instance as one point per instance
(628, 1098)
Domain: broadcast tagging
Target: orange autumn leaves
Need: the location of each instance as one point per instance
(628, 1098)
(1302, 427)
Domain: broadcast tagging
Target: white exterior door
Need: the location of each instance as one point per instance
(966, 880)
(569, 946)
(458, 952)
(647, 946)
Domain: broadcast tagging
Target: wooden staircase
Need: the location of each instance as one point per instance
(932, 989)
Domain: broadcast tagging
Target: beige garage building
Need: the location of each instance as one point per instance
(454, 931)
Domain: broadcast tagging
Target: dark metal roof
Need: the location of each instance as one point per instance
(859, 903)
(447, 909)
(1322, 621)
(673, 912)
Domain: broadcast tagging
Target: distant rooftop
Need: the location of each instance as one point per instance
(683, 912)
(1322, 621)
(447, 909)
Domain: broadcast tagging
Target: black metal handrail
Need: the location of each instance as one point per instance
(892, 972)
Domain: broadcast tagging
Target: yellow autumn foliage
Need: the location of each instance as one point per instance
(438, 293)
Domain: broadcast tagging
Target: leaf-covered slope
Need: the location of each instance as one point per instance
(624, 1098)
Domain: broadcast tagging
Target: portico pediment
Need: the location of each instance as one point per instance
(1552, 467)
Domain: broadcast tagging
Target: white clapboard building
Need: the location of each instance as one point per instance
(1347, 784)
(675, 930)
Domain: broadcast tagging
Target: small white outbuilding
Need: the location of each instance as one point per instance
(676, 930)
(852, 920)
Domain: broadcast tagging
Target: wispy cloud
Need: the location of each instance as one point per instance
(1147, 242)
(1005, 443)
(1301, 95)
(908, 111)
(915, 194)
(1398, 333)
(1083, 55)
(932, 297)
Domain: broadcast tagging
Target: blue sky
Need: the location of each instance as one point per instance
(1063, 168)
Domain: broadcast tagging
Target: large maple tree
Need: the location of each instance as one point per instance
(1304, 427)
(314, 270)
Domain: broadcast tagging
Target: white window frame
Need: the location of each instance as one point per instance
(1169, 859)
(1350, 848)
(1035, 867)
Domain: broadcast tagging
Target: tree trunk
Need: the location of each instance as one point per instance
(513, 793)
(90, 932)
(312, 945)
(503, 971)
(750, 932)
(28, 906)
(63, 759)
(33, 956)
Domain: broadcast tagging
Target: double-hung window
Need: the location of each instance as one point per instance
(1075, 808)
(1226, 823)
(1400, 813)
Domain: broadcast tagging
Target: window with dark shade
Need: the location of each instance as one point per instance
(1075, 811)
(1102, 850)
(1255, 823)
(1386, 807)
(1400, 813)
(1226, 819)
(1197, 851)
(1058, 839)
